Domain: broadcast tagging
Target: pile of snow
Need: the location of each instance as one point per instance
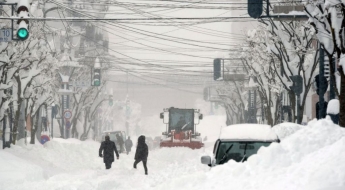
(17, 170)
(310, 158)
(286, 129)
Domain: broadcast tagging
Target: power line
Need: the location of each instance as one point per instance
(122, 19)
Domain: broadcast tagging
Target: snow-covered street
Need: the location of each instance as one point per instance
(311, 158)
(207, 95)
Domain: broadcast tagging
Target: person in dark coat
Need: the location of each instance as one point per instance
(141, 153)
(128, 145)
(108, 147)
(120, 142)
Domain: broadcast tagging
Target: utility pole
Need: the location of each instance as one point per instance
(127, 83)
(127, 108)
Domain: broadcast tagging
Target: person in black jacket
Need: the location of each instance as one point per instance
(108, 147)
(128, 145)
(141, 153)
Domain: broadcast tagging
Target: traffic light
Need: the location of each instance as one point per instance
(297, 86)
(255, 8)
(321, 85)
(216, 69)
(23, 22)
(54, 111)
(96, 77)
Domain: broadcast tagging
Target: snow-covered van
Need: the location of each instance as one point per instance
(240, 141)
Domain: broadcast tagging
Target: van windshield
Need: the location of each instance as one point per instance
(238, 151)
(112, 136)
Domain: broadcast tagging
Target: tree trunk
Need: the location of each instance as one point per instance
(269, 115)
(16, 122)
(277, 114)
(342, 98)
(86, 115)
(229, 119)
(17, 114)
(293, 105)
(34, 126)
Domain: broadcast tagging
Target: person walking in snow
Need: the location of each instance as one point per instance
(141, 153)
(108, 148)
(120, 142)
(128, 145)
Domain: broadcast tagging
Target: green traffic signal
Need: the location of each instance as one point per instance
(110, 103)
(96, 83)
(22, 33)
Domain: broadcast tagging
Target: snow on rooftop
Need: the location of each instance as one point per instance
(248, 132)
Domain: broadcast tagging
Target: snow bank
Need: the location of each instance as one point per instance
(17, 170)
(284, 130)
(311, 158)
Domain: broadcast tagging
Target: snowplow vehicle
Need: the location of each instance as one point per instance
(181, 128)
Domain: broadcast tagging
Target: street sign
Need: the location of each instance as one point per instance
(5, 35)
(234, 77)
(68, 124)
(44, 139)
(82, 83)
(67, 114)
(278, 9)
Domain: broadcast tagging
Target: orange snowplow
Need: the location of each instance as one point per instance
(181, 128)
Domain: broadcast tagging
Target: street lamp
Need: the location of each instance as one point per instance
(64, 92)
(251, 87)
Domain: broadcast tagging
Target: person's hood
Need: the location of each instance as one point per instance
(141, 139)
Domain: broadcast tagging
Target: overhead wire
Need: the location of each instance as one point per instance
(164, 50)
(156, 65)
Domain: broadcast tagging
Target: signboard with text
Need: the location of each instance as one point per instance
(5, 35)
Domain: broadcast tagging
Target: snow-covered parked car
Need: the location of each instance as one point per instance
(239, 142)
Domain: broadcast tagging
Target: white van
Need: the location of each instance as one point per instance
(240, 141)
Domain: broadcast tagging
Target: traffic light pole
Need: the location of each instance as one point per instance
(322, 89)
(52, 125)
(299, 116)
(332, 82)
